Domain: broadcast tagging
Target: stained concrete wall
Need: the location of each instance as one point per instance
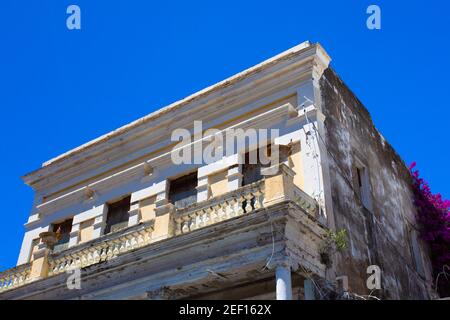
(380, 234)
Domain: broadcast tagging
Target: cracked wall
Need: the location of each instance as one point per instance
(378, 235)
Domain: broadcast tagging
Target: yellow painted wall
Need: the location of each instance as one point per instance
(34, 247)
(296, 164)
(147, 209)
(86, 230)
(218, 183)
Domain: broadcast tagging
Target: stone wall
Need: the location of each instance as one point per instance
(380, 234)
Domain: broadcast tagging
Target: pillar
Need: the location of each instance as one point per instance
(134, 213)
(202, 188)
(163, 215)
(279, 180)
(234, 177)
(309, 290)
(283, 282)
(74, 234)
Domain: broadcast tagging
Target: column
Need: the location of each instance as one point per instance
(163, 215)
(133, 219)
(278, 184)
(202, 188)
(234, 177)
(40, 265)
(74, 234)
(283, 282)
(100, 220)
(309, 289)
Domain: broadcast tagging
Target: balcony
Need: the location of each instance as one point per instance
(268, 206)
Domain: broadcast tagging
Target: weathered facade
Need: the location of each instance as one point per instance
(139, 226)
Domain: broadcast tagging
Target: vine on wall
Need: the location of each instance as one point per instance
(433, 217)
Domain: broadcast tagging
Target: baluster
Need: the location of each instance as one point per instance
(109, 252)
(199, 219)
(8, 282)
(148, 235)
(248, 204)
(96, 254)
(234, 203)
(213, 215)
(20, 279)
(104, 255)
(84, 258)
(218, 211)
(126, 243)
(257, 204)
(193, 221)
(133, 241)
(223, 210)
(73, 264)
(205, 217)
(228, 208)
(13, 281)
(55, 266)
(185, 227)
(90, 257)
(67, 266)
(77, 259)
(240, 209)
(5, 283)
(178, 221)
(62, 265)
(116, 248)
(141, 238)
(122, 247)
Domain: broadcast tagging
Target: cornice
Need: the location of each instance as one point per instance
(241, 88)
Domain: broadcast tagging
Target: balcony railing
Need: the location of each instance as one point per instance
(241, 201)
(15, 277)
(244, 200)
(305, 201)
(101, 249)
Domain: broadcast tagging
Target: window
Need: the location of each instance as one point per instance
(183, 190)
(252, 171)
(62, 230)
(362, 186)
(118, 214)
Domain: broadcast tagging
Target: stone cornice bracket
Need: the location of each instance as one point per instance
(279, 260)
(148, 169)
(149, 172)
(89, 194)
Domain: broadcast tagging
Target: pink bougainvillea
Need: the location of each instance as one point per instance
(433, 216)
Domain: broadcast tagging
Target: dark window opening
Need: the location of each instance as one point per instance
(361, 180)
(183, 190)
(62, 231)
(118, 214)
(251, 172)
(358, 172)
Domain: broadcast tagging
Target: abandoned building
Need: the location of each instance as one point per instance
(137, 226)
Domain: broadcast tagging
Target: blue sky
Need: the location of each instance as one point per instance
(61, 88)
